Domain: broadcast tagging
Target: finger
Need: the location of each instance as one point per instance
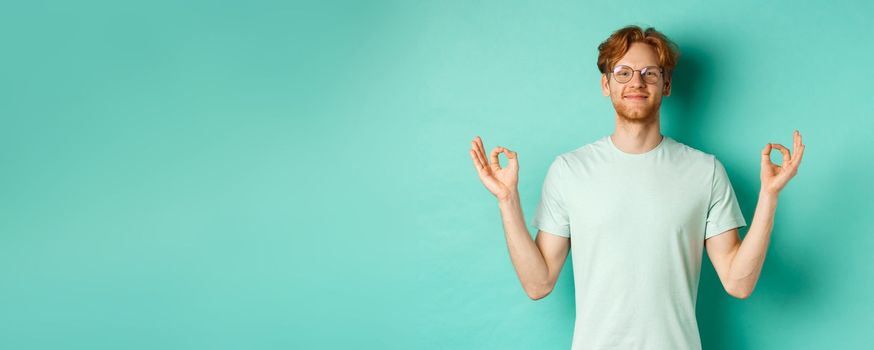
(798, 155)
(510, 154)
(495, 164)
(511, 158)
(474, 147)
(481, 151)
(796, 142)
(476, 162)
(786, 156)
(766, 154)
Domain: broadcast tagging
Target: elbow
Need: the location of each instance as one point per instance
(537, 294)
(741, 294)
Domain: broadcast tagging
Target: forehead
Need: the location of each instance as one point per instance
(639, 55)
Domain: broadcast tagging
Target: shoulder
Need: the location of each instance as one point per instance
(689, 152)
(585, 154)
(692, 155)
(706, 164)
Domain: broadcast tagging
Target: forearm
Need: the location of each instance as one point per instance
(746, 266)
(526, 257)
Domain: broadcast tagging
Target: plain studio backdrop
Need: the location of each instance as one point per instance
(295, 175)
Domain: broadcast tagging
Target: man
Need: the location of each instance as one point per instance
(639, 207)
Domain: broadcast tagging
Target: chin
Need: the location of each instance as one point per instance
(639, 120)
(637, 115)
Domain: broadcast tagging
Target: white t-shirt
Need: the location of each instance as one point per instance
(637, 225)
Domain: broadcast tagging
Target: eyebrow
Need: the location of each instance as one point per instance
(632, 67)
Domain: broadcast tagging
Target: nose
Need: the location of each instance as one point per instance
(636, 79)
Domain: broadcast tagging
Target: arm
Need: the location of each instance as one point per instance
(737, 263)
(537, 263)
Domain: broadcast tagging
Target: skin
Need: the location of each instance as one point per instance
(637, 121)
(538, 262)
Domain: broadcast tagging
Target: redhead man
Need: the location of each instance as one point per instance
(640, 209)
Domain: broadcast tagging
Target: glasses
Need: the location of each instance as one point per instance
(650, 74)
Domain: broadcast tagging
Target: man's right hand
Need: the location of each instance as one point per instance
(500, 182)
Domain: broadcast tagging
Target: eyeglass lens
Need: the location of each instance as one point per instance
(623, 74)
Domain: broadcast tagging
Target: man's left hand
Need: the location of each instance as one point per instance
(775, 177)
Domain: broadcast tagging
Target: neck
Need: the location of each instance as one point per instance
(636, 137)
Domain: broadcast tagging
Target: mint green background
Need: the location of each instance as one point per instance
(277, 175)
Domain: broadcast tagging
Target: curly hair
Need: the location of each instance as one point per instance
(611, 50)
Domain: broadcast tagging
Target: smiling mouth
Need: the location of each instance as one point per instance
(635, 98)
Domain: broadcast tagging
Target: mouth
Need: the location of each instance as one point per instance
(635, 97)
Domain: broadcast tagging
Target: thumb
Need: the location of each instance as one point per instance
(512, 157)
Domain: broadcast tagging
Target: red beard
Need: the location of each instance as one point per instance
(637, 113)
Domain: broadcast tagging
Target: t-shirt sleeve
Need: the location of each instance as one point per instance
(551, 214)
(724, 212)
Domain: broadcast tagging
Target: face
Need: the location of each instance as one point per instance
(636, 101)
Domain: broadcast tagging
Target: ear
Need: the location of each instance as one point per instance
(667, 89)
(605, 85)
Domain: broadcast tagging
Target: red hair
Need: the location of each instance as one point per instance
(611, 50)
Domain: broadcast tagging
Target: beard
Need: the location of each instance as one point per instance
(636, 113)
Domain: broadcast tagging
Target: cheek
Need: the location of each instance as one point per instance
(616, 92)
